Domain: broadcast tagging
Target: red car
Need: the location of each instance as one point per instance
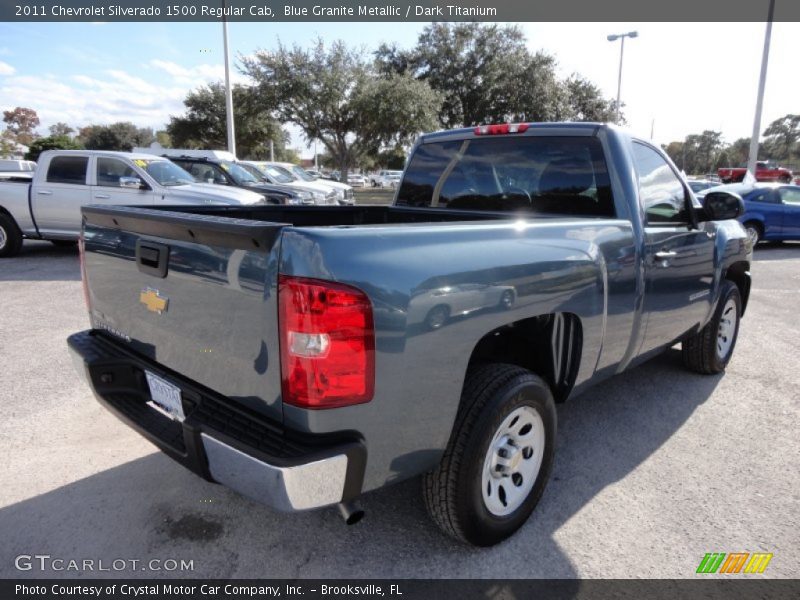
(764, 172)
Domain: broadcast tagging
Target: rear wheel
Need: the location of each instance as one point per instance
(499, 457)
(711, 349)
(10, 237)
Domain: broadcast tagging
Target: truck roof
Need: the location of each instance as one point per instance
(568, 127)
(110, 153)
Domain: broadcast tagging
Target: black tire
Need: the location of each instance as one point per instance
(64, 243)
(755, 232)
(786, 179)
(453, 491)
(10, 237)
(701, 352)
(437, 316)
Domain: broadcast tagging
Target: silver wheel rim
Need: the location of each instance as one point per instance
(727, 329)
(512, 461)
(752, 234)
(3, 238)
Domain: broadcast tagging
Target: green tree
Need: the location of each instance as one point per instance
(164, 139)
(122, 136)
(583, 101)
(204, 125)
(334, 95)
(738, 152)
(486, 74)
(781, 138)
(61, 129)
(22, 123)
(53, 142)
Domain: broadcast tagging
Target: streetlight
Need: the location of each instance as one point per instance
(228, 91)
(762, 80)
(614, 38)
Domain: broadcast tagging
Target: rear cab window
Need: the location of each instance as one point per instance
(532, 174)
(68, 169)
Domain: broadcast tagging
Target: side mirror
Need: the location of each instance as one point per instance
(132, 183)
(720, 206)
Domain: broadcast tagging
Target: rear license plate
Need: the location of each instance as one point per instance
(166, 397)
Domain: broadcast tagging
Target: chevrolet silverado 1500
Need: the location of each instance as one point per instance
(48, 205)
(305, 355)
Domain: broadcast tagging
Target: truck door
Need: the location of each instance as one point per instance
(117, 182)
(678, 260)
(57, 196)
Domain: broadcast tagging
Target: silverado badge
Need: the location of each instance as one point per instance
(153, 300)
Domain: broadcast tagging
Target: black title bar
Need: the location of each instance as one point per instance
(397, 10)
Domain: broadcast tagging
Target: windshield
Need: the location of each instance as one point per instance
(300, 172)
(253, 170)
(240, 175)
(164, 172)
(279, 174)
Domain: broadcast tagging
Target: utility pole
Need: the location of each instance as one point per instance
(753, 157)
(621, 37)
(228, 91)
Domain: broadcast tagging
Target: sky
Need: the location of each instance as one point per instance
(678, 78)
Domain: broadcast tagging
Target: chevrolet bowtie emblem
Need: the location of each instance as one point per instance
(153, 300)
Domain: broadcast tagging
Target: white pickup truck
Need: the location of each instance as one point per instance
(48, 205)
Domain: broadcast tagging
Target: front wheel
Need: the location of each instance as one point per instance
(710, 350)
(499, 457)
(10, 237)
(754, 232)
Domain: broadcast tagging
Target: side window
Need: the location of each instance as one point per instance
(109, 170)
(790, 195)
(662, 193)
(68, 169)
(766, 195)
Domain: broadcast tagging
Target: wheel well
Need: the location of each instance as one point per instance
(739, 273)
(549, 345)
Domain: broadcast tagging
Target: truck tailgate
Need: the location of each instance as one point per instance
(195, 293)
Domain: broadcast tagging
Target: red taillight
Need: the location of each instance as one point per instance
(327, 343)
(501, 129)
(82, 253)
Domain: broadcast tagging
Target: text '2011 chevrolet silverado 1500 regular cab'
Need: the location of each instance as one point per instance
(48, 205)
(305, 355)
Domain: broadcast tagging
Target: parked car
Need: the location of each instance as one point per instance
(356, 180)
(48, 205)
(14, 165)
(765, 171)
(344, 192)
(385, 178)
(314, 173)
(230, 173)
(325, 194)
(772, 211)
(306, 379)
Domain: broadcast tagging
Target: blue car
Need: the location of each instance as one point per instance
(772, 213)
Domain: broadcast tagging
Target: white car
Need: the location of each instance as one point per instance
(344, 193)
(385, 178)
(356, 180)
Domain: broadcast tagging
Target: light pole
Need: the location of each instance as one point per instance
(228, 91)
(762, 80)
(614, 38)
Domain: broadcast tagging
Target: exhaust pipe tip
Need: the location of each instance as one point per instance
(351, 512)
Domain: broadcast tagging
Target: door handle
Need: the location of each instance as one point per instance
(102, 196)
(45, 193)
(664, 255)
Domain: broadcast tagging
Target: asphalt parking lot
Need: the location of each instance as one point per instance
(654, 468)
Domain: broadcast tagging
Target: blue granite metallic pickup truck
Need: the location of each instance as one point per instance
(305, 355)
